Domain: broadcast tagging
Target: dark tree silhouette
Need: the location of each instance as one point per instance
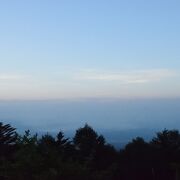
(47, 140)
(61, 140)
(7, 134)
(166, 146)
(8, 138)
(168, 139)
(88, 156)
(85, 140)
(99, 156)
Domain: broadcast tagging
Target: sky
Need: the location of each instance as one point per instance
(65, 49)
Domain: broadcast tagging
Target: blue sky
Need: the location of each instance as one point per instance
(53, 49)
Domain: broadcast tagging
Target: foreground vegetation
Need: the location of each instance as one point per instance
(87, 156)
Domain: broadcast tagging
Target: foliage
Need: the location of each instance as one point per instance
(7, 134)
(87, 156)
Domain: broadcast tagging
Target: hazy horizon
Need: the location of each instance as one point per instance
(118, 120)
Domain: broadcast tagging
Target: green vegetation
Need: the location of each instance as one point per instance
(87, 156)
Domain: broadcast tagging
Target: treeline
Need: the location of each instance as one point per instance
(87, 156)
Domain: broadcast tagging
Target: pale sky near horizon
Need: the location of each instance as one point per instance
(53, 49)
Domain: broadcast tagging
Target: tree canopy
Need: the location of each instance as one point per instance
(87, 156)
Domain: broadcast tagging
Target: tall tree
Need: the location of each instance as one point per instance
(85, 140)
(7, 139)
(7, 134)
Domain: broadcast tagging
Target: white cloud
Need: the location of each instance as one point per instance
(9, 77)
(127, 77)
(89, 83)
